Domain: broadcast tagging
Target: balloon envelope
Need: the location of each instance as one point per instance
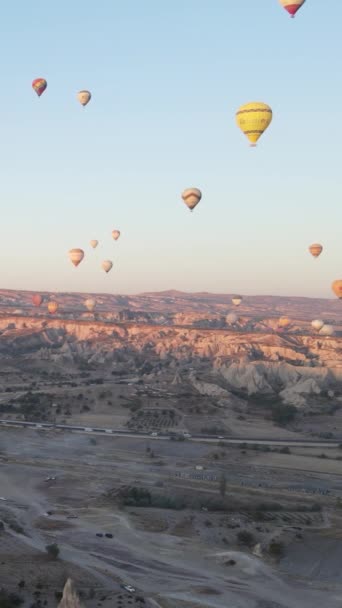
(253, 119)
(337, 288)
(76, 256)
(237, 300)
(107, 265)
(39, 85)
(116, 234)
(90, 304)
(191, 197)
(84, 97)
(292, 6)
(327, 330)
(284, 322)
(52, 307)
(315, 249)
(94, 243)
(37, 299)
(317, 324)
(231, 318)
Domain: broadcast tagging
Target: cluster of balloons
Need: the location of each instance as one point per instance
(39, 85)
(76, 255)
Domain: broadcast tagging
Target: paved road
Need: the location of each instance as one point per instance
(204, 438)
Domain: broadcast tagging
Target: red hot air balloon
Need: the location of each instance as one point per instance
(39, 85)
(37, 299)
(292, 6)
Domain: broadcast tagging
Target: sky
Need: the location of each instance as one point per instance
(166, 78)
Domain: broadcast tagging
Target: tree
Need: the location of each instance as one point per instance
(52, 550)
(246, 538)
(223, 485)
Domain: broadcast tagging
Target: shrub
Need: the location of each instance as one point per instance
(52, 550)
(277, 549)
(246, 538)
(9, 600)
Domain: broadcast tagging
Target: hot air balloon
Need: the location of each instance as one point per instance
(284, 322)
(76, 256)
(94, 243)
(327, 330)
(253, 119)
(317, 324)
(52, 307)
(107, 265)
(315, 249)
(191, 197)
(237, 300)
(37, 299)
(39, 85)
(292, 6)
(231, 318)
(84, 97)
(337, 288)
(116, 234)
(90, 304)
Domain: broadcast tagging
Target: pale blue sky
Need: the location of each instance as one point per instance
(167, 77)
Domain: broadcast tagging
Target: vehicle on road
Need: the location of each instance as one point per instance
(186, 435)
(154, 434)
(128, 588)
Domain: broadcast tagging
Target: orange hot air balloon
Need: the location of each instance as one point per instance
(292, 6)
(284, 322)
(315, 249)
(39, 85)
(76, 256)
(337, 288)
(52, 307)
(37, 299)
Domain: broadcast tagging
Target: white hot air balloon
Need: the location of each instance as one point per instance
(94, 243)
(327, 330)
(231, 318)
(317, 324)
(76, 256)
(237, 300)
(107, 265)
(90, 304)
(116, 234)
(84, 97)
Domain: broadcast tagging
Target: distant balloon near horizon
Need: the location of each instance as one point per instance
(231, 318)
(107, 265)
(52, 307)
(37, 299)
(337, 288)
(327, 330)
(191, 197)
(292, 6)
(253, 119)
(116, 234)
(317, 324)
(94, 243)
(76, 256)
(84, 97)
(284, 322)
(316, 250)
(90, 304)
(39, 85)
(237, 300)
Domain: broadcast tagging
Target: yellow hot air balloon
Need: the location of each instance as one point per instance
(284, 322)
(116, 234)
(191, 197)
(52, 307)
(315, 249)
(292, 6)
(337, 288)
(76, 256)
(237, 300)
(253, 119)
(84, 97)
(90, 304)
(94, 243)
(107, 265)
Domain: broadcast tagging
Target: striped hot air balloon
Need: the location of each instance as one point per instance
(253, 119)
(191, 197)
(76, 256)
(315, 249)
(39, 85)
(337, 288)
(94, 243)
(292, 6)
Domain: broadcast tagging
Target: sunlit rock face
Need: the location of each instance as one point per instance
(70, 597)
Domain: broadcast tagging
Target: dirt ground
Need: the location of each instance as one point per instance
(187, 556)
